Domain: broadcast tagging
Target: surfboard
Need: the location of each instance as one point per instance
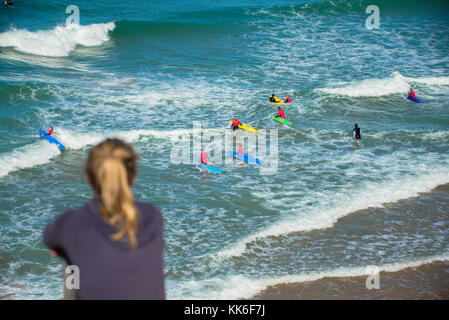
(51, 139)
(210, 168)
(246, 158)
(245, 127)
(414, 99)
(279, 119)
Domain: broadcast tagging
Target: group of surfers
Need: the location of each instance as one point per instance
(235, 125)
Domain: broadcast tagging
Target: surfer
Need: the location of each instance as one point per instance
(235, 124)
(357, 131)
(287, 99)
(204, 156)
(49, 133)
(412, 94)
(9, 3)
(272, 98)
(280, 113)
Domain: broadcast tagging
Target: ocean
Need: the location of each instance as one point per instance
(150, 72)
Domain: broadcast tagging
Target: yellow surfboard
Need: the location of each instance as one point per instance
(245, 127)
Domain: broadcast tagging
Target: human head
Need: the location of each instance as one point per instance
(111, 169)
(272, 95)
(355, 125)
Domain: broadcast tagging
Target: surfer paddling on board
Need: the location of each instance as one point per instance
(280, 113)
(356, 131)
(412, 93)
(49, 133)
(272, 98)
(287, 99)
(235, 124)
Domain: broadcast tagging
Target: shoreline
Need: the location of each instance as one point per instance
(425, 281)
(429, 281)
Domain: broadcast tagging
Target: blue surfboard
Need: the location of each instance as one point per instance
(414, 99)
(51, 139)
(245, 158)
(210, 168)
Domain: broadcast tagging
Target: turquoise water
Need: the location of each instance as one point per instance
(145, 71)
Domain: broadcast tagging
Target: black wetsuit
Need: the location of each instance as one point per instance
(272, 99)
(357, 133)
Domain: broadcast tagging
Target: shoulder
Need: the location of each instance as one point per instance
(63, 224)
(72, 217)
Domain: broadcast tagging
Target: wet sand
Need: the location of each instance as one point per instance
(430, 281)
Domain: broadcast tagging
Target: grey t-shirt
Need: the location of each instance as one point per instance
(110, 269)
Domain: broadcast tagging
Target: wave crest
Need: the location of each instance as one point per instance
(57, 42)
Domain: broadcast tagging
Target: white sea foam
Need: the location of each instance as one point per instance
(240, 287)
(57, 42)
(339, 205)
(395, 83)
(78, 140)
(42, 152)
(28, 156)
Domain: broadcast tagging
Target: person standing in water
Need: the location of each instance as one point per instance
(204, 156)
(240, 149)
(116, 242)
(356, 131)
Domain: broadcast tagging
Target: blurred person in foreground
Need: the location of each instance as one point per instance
(116, 242)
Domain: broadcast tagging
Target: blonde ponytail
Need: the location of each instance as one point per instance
(111, 170)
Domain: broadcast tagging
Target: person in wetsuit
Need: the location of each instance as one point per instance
(203, 156)
(235, 124)
(49, 133)
(357, 131)
(272, 99)
(412, 93)
(280, 113)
